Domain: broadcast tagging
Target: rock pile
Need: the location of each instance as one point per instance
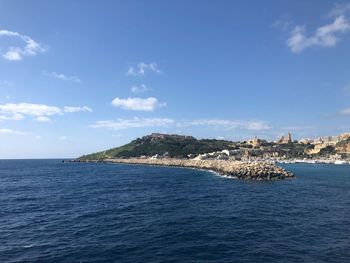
(230, 168)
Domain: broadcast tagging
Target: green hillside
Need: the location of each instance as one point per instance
(174, 145)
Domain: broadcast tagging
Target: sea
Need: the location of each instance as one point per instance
(83, 212)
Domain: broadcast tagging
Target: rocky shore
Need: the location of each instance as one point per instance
(234, 169)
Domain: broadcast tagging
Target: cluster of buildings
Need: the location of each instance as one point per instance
(323, 142)
(285, 139)
(218, 155)
(283, 149)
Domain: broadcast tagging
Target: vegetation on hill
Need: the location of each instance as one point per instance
(173, 145)
(343, 146)
(327, 151)
(294, 149)
(343, 143)
(180, 146)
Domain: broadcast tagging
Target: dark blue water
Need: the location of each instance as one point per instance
(70, 212)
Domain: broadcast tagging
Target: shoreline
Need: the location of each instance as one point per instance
(227, 168)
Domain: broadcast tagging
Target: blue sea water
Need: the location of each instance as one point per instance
(77, 212)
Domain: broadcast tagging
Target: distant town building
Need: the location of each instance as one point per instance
(227, 152)
(317, 148)
(154, 157)
(285, 139)
(256, 142)
(305, 141)
(344, 136)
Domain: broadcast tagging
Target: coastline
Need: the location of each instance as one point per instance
(228, 168)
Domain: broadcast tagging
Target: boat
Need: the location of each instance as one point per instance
(340, 162)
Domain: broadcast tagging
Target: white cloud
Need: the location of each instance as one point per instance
(42, 119)
(138, 104)
(139, 89)
(141, 68)
(62, 138)
(77, 109)
(347, 88)
(297, 128)
(344, 112)
(7, 84)
(40, 112)
(212, 122)
(283, 24)
(13, 116)
(256, 125)
(31, 48)
(230, 124)
(326, 36)
(61, 76)
(10, 131)
(339, 9)
(29, 109)
(121, 124)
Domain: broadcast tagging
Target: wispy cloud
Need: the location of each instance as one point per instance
(15, 53)
(255, 125)
(42, 119)
(62, 138)
(77, 109)
(297, 128)
(40, 112)
(6, 84)
(12, 116)
(283, 24)
(138, 104)
(156, 122)
(10, 131)
(141, 68)
(339, 9)
(61, 76)
(346, 88)
(121, 124)
(344, 112)
(326, 36)
(139, 89)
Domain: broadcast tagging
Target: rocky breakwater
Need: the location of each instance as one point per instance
(235, 169)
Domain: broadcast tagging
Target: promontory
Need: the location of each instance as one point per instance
(219, 156)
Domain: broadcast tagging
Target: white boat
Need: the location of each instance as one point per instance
(339, 162)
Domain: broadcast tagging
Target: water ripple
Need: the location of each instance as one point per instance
(66, 212)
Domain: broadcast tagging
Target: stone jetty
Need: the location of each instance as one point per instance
(229, 168)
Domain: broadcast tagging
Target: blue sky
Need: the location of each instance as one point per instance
(82, 76)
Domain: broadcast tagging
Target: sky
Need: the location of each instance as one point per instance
(83, 76)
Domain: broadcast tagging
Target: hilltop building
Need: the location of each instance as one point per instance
(305, 141)
(256, 142)
(285, 139)
(344, 136)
